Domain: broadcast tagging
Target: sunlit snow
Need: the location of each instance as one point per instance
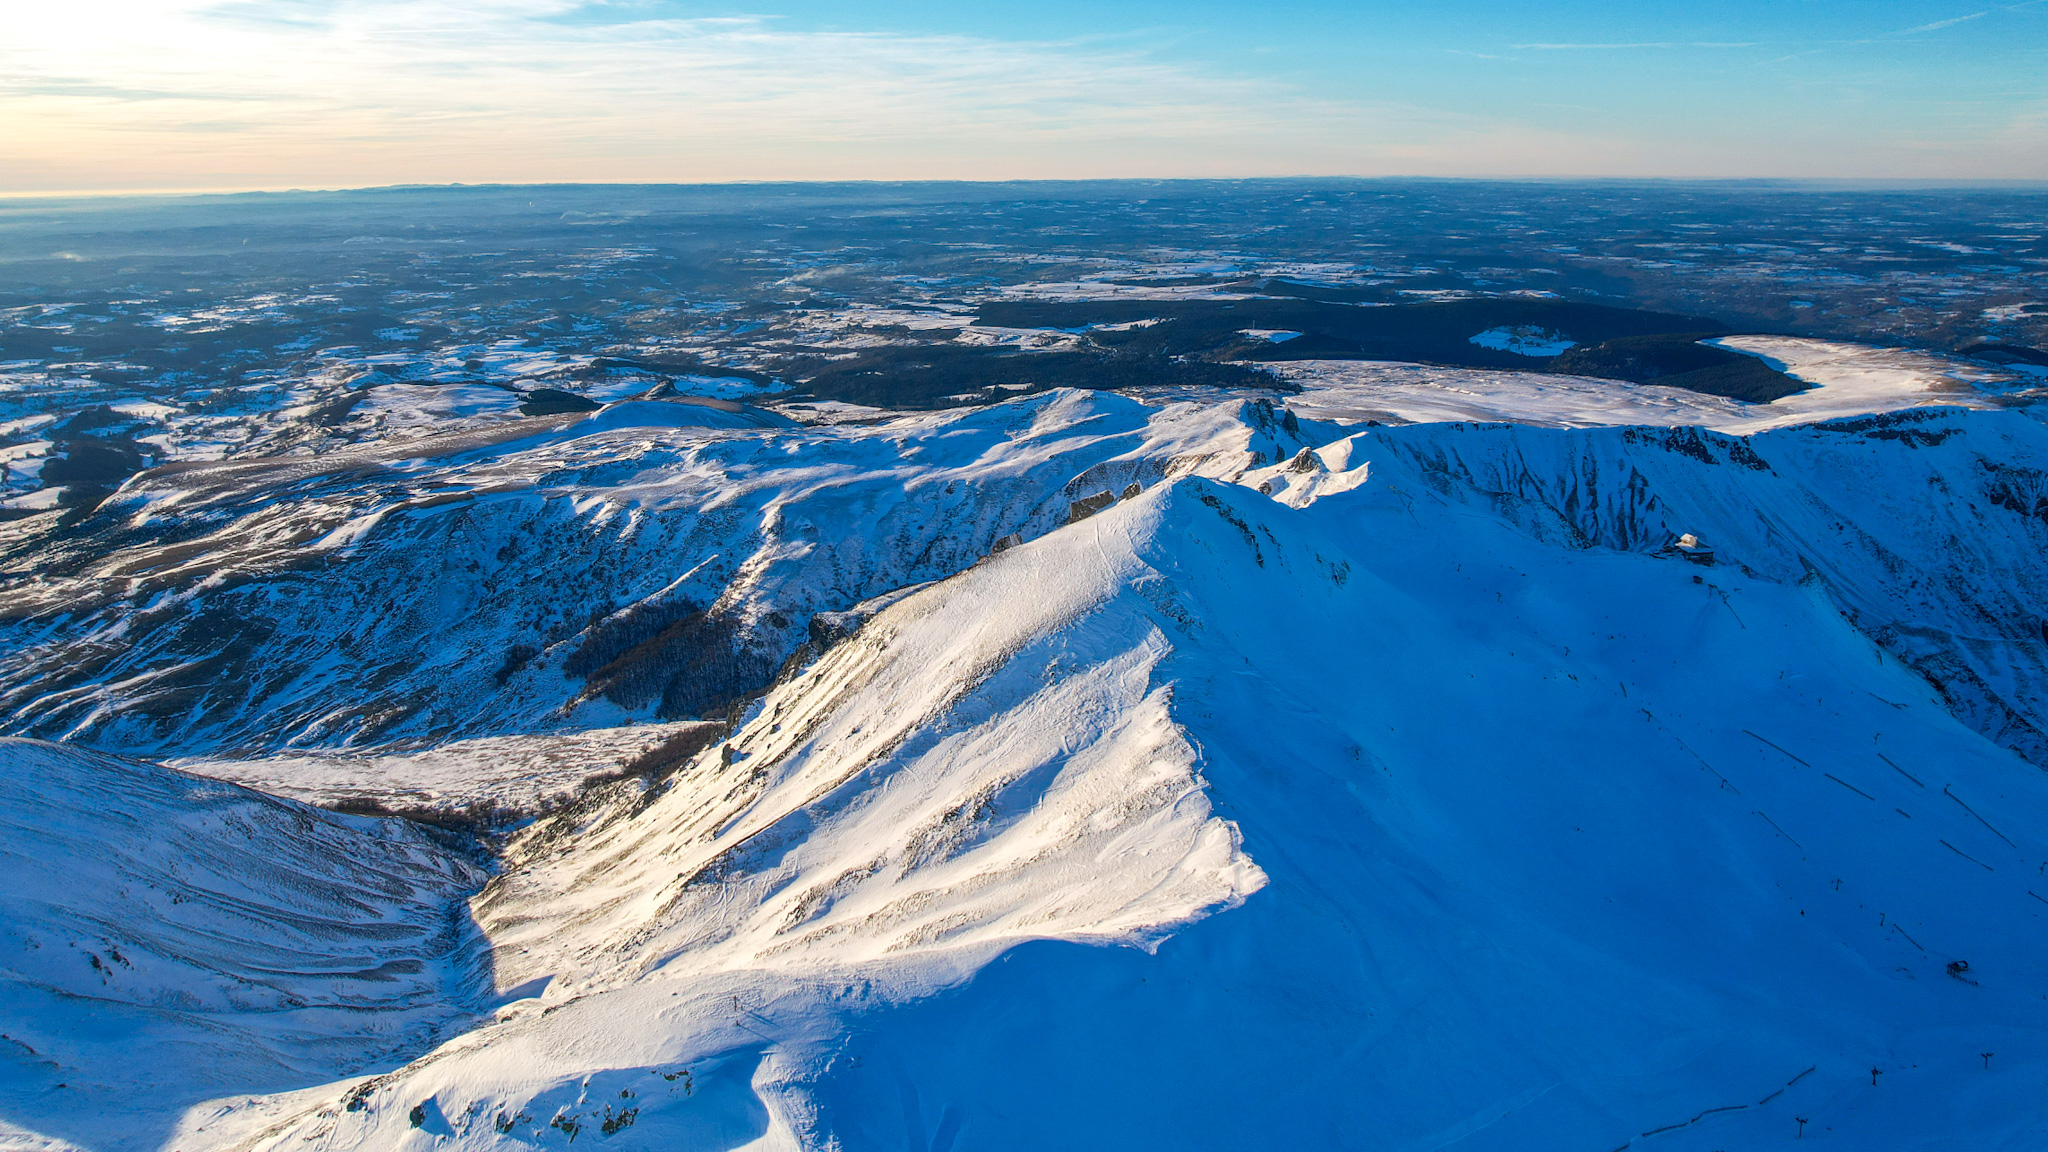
(1536, 343)
(1161, 769)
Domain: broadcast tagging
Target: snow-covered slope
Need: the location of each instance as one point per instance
(1145, 774)
(654, 560)
(1926, 526)
(1845, 379)
(629, 564)
(166, 939)
(1463, 838)
(488, 775)
(1853, 379)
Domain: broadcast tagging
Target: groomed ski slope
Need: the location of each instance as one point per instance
(1380, 822)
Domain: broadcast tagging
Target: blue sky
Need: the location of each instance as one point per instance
(1681, 66)
(106, 94)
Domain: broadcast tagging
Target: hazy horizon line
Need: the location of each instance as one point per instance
(1846, 183)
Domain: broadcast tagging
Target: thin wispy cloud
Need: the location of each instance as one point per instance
(1938, 25)
(328, 93)
(1603, 47)
(551, 89)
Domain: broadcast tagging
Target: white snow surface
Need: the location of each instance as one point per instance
(1467, 839)
(1292, 783)
(1526, 340)
(1847, 379)
(1018, 339)
(438, 560)
(166, 940)
(522, 773)
(1355, 391)
(402, 405)
(41, 500)
(1853, 379)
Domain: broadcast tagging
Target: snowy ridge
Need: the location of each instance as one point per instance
(1191, 775)
(974, 770)
(1694, 845)
(649, 561)
(961, 776)
(543, 576)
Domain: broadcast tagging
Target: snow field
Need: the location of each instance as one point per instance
(1849, 380)
(166, 939)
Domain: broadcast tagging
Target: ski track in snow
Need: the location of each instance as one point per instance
(1148, 829)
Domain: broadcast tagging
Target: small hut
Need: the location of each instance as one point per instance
(1690, 547)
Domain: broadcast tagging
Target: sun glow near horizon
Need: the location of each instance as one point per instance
(208, 95)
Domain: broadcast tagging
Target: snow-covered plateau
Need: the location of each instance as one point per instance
(1095, 770)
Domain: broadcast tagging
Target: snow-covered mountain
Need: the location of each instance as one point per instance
(1124, 772)
(651, 559)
